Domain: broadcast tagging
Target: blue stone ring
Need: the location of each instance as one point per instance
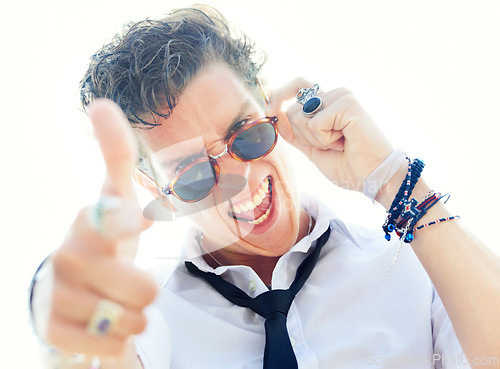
(312, 106)
(106, 314)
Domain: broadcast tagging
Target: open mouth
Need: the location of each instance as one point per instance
(256, 210)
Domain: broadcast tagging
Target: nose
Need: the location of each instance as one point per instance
(232, 173)
(224, 152)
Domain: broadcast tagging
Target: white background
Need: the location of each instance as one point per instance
(427, 72)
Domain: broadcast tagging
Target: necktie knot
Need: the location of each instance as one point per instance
(271, 302)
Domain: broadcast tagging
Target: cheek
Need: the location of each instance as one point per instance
(213, 220)
(282, 159)
(201, 219)
(283, 164)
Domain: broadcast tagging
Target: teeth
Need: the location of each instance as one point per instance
(262, 218)
(257, 199)
(250, 205)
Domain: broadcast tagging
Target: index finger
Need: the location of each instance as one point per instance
(118, 146)
(282, 94)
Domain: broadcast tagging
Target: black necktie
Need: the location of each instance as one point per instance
(272, 305)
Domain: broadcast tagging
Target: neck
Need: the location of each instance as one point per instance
(262, 265)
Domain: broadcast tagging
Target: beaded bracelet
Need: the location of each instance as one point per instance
(388, 226)
(437, 221)
(401, 200)
(413, 213)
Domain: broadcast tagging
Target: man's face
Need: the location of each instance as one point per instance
(211, 105)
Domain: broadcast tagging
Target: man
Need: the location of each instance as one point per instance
(190, 89)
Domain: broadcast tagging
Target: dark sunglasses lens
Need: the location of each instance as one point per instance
(254, 142)
(196, 182)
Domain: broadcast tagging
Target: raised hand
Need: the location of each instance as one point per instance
(95, 261)
(342, 140)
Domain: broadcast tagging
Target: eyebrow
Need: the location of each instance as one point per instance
(238, 118)
(181, 159)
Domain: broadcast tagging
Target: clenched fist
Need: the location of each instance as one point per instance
(341, 139)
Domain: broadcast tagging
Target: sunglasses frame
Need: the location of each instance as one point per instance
(212, 159)
(229, 145)
(169, 189)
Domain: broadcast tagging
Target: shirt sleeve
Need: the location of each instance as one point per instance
(153, 346)
(448, 353)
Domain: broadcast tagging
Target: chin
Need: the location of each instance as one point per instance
(263, 222)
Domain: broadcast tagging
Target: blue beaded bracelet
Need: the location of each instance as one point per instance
(400, 202)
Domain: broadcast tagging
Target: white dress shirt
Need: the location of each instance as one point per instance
(345, 316)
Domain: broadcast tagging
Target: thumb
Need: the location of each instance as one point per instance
(118, 146)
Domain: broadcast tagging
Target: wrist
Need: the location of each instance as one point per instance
(38, 282)
(388, 192)
(437, 211)
(429, 202)
(383, 173)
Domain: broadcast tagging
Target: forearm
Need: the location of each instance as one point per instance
(464, 271)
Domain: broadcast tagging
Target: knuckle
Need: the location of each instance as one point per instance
(82, 225)
(338, 94)
(59, 296)
(149, 291)
(65, 301)
(82, 215)
(293, 110)
(138, 323)
(66, 260)
(63, 259)
(299, 81)
(342, 91)
(323, 141)
(142, 323)
(348, 99)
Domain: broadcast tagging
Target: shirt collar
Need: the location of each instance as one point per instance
(323, 218)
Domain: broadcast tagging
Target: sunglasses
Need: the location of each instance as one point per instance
(197, 180)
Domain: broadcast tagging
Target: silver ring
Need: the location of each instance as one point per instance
(104, 318)
(96, 213)
(312, 106)
(305, 94)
